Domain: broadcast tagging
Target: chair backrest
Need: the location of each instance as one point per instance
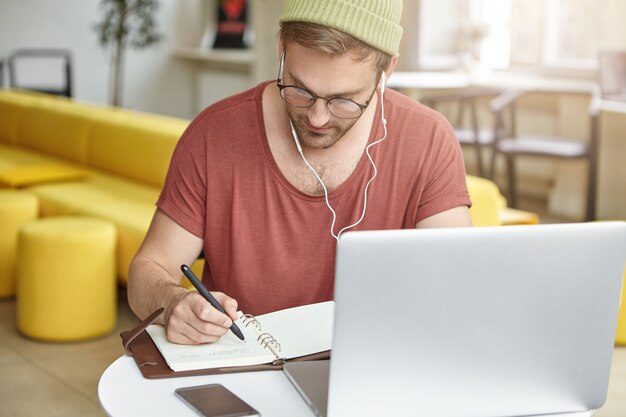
(466, 119)
(554, 146)
(612, 74)
(43, 70)
(2, 63)
(505, 105)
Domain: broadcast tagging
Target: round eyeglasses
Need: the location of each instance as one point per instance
(341, 107)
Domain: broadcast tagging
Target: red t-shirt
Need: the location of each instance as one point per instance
(267, 244)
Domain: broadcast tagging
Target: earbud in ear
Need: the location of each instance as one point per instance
(383, 79)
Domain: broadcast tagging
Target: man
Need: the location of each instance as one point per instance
(267, 215)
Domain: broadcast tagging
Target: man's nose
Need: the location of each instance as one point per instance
(319, 114)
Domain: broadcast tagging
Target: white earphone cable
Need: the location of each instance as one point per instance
(369, 156)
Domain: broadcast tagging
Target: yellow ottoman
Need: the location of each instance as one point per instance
(620, 339)
(66, 285)
(16, 209)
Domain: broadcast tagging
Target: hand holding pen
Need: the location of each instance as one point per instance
(202, 290)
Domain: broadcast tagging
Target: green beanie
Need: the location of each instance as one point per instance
(375, 22)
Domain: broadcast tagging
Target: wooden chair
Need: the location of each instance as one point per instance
(2, 64)
(511, 145)
(24, 60)
(465, 121)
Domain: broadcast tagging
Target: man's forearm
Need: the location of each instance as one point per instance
(150, 287)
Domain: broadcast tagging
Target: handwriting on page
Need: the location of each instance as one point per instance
(221, 353)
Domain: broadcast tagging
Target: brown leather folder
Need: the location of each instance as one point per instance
(138, 344)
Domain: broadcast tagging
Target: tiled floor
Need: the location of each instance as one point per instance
(61, 380)
(54, 379)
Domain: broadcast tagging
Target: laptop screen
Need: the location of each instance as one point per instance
(483, 322)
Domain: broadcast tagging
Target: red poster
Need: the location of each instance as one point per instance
(232, 24)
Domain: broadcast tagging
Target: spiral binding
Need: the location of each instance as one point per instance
(266, 340)
(250, 320)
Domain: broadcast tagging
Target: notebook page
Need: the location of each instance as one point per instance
(227, 351)
(301, 330)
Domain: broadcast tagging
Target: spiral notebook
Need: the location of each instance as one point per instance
(271, 338)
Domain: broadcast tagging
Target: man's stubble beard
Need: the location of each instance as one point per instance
(320, 141)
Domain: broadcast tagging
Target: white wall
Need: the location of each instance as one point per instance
(154, 81)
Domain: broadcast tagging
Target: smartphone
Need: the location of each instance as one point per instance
(215, 400)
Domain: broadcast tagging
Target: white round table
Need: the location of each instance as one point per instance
(124, 392)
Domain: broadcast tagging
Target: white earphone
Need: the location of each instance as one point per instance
(367, 151)
(295, 138)
(383, 80)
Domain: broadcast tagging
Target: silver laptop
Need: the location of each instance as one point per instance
(503, 321)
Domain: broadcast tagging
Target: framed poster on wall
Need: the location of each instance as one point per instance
(232, 24)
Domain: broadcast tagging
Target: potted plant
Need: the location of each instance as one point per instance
(125, 23)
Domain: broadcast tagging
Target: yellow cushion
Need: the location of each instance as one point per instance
(58, 130)
(16, 209)
(486, 201)
(511, 216)
(9, 113)
(127, 204)
(134, 147)
(32, 174)
(621, 321)
(16, 156)
(66, 288)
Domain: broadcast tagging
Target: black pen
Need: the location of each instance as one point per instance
(207, 295)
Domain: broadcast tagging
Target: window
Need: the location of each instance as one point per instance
(558, 33)
(528, 33)
(443, 39)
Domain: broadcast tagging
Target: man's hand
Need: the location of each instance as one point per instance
(154, 281)
(193, 320)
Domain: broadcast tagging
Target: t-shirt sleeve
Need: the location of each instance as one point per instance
(445, 186)
(183, 197)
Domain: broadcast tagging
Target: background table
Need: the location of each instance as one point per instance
(428, 80)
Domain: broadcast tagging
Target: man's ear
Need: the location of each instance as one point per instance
(392, 66)
(281, 48)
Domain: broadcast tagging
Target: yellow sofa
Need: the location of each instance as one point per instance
(82, 159)
(87, 160)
